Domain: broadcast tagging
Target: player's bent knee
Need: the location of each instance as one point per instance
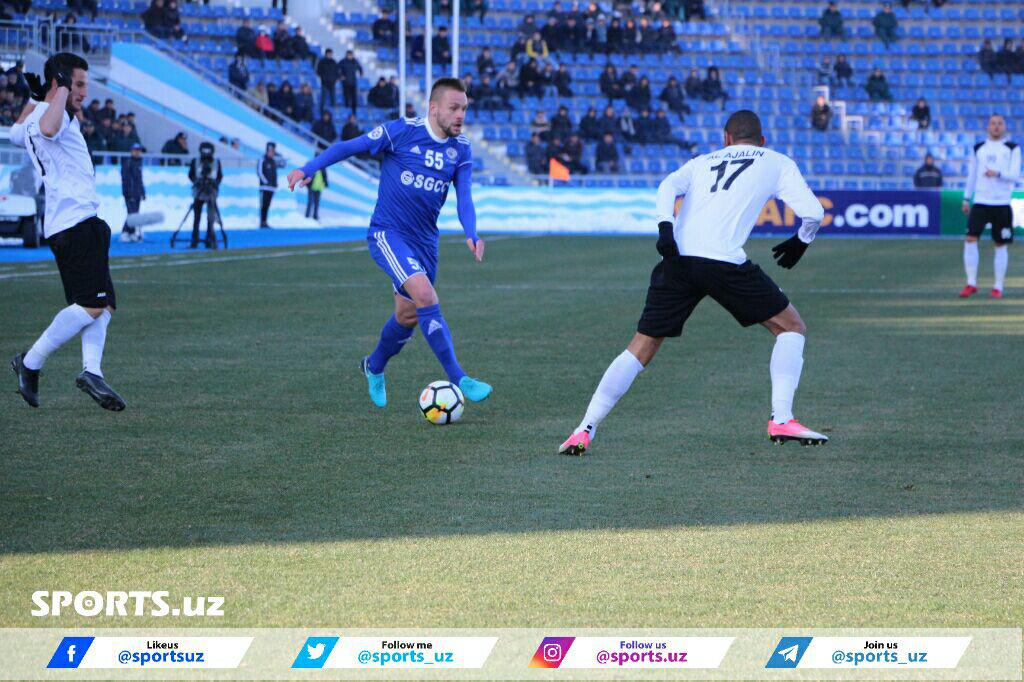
(644, 347)
(94, 312)
(421, 291)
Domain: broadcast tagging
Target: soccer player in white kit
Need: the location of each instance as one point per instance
(79, 239)
(702, 255)
(995, 169)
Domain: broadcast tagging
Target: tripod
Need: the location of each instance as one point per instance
(210, 206)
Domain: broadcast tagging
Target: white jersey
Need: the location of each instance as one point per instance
(1001, 156)
(724, 194)
(64, 163)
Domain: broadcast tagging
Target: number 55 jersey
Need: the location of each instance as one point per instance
(724, 192)
(417, 169)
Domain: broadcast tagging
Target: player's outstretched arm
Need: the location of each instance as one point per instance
(793, 190)
(373, 143)
(466, 209)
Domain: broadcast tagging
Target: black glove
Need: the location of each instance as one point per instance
(788, 253)
(666, 240)
(35, 86)
(63, 79)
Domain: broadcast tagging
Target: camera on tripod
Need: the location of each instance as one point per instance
(206, 174)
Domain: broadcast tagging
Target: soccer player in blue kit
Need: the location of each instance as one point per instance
(420, 159)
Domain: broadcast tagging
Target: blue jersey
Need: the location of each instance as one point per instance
(417, 169)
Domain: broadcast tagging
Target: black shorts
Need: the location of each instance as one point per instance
(679, 284)
(82, 259)
(999, 217)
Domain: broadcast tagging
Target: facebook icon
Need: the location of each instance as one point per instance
(70, 652)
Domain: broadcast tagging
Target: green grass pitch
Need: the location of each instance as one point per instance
(251, 464)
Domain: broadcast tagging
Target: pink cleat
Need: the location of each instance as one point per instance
(997, 293)
(794, 430)
(576, 445)
(968, 290)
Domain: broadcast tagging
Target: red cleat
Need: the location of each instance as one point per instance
(968, 290)
(794, 430)
(996, 293)
(575, 445)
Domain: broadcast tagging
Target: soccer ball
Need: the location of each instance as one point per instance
(442, 403)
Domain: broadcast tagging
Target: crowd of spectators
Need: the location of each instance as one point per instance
(106, 130)
(163, 20)
(283, 44)
(559, 137)
(1008, 61)
(14, 94)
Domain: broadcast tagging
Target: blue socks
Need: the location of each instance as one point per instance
(435, 331)
(392, 337)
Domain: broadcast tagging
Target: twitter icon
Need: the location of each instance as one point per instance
(315, 652)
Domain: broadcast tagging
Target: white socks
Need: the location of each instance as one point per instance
(614, 384)
(787, 362)
(971, 262)
(1000, 261)
(65, 325)
(94, 336)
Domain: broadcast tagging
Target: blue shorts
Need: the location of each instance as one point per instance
(401, 258)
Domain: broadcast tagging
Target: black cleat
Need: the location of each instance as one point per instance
(28, 380)
(100, 391)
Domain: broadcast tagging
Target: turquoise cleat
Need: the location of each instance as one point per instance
(378, 392)
(474, 389)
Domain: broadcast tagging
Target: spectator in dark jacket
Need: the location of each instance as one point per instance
(609, 83)
(178, 145)
(350, 71)
(693, 85)
(351, 129)
(639, 96)
(711, 88)
(615, 37)
(238, 73)
(607, 155)
(831, 22)
(530, 80)
(573, 151)
(327, 70)
(442, 47)
(325, 127)
(245, 39)
(844, 72)
(886, 24)
(644, 125)
(304, 103)
(921, 113)
(675, 98)
(694, 8)
(590, 126)
(609, 123)
(561, 124)
(821, 114)
(878, 87)
(154, 18)
(282, 42)
(667, 37)
(563, 81)
(928, 175)
(300, 47)
(385, 32)
(661, 132)
(1006, 60)
(987, 59)
(378, 95)
(132, 188)
(536, 155)
(485, 63)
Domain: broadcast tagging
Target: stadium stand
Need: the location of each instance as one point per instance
(769, 56)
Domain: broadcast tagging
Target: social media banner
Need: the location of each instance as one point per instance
(631, 652)
(868, 652)
(147, 653)
(394, 652)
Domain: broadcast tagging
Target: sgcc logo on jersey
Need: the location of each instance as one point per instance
(376, 133)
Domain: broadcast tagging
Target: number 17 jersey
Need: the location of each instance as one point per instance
(724, 194)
